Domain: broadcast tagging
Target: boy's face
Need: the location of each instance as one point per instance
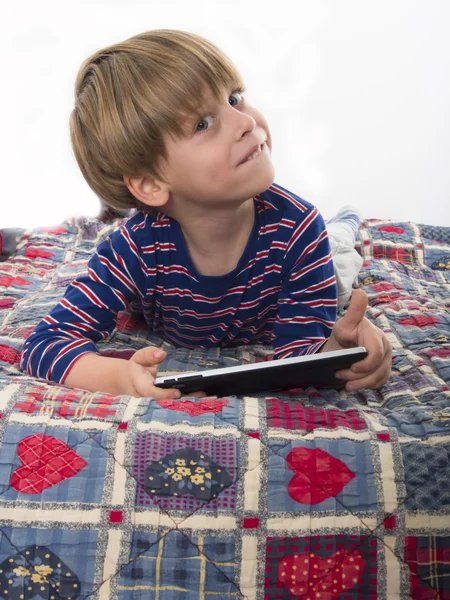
(210, 164)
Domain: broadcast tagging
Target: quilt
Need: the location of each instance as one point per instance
(302, 494)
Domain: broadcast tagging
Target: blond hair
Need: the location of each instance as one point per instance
(128, 94)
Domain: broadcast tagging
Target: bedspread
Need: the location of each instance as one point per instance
(310, 493)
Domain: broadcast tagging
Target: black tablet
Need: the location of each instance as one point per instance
(300, 371)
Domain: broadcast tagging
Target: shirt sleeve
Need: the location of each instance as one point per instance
(87, 313)
(307, 304)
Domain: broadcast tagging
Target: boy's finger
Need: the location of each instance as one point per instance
(357, 309)
(148, 356)
(372, 382)
(157, 393)
(381, 369)
(376, 351)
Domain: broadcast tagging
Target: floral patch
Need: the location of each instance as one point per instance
(39, 572)
(186, 471)
(442, 263)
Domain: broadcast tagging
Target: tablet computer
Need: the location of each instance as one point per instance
(300, 371)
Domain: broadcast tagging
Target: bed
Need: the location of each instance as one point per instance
(309, 493)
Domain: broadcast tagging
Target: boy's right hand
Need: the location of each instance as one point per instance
(140, 374)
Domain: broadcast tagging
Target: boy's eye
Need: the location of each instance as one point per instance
(204, 123)
(235, 98)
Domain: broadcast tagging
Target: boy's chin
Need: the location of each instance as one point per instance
(264, 182)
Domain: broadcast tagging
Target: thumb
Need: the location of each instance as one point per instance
(148, 356)
(357, 309)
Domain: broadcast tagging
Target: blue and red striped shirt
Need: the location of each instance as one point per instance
(281, 293)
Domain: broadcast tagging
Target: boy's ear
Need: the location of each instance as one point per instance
(147, 190)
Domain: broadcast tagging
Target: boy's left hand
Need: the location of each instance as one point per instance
(354, 329)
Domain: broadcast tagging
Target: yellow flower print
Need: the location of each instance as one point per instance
(184, 470)
(169, 471)
(197, 479)
(43, 569)
(177, 477)
(208, 475)
(180, 462)
(36, 578)
(193, 462)
(199, 470)
(21, 572)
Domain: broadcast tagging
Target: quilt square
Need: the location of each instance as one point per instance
(428, 558)
(179, 567)
(210, 410)
(186, 473)
(60, 465)
(322, 475)
(427, 476)
(291, 414)
(60, 402)
(51, 567)
(327, 566)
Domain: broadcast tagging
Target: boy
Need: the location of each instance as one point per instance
(217, 254)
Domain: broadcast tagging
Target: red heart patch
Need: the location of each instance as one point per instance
(318, 475)
(46, 461)
(331, 576)
(193, 408)
(36, 253)
(9, 355)
(57, 230)
(7, 302)
(391, 229)
(419, 320)
(7, 280)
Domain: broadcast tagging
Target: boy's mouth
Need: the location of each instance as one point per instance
(254, 152)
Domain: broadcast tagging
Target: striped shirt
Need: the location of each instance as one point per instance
(282, 292)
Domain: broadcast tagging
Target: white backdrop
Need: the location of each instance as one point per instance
(357, 95)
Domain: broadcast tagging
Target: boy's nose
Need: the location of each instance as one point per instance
(244, 123)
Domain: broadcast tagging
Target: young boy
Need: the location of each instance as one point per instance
(216, 254)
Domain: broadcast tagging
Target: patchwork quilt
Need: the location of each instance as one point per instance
(310, 493)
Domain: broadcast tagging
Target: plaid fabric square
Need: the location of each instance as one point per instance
(427, 476)
(181, 567)
(216, 411)
(48, 567)
(55, 402)
(428, 558)
(327, 566)
(396, 252)
(306, 476)
(155, 453)
(59, 465)
(290, 414)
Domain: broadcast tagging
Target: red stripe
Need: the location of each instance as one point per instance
(312, 246)
(63, 352)
(89, 293)
(310, 267)
(302, 227)
(277, 190)
(198, 297)
(77, 311)
(93, 275)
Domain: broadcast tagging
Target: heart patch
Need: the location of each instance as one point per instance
(46, 461)
(311, 574)
(192, 407)
(318, 475)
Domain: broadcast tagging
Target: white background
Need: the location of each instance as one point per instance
(356, 93)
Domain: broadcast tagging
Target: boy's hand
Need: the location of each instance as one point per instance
(353, 329)
(140, 374)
